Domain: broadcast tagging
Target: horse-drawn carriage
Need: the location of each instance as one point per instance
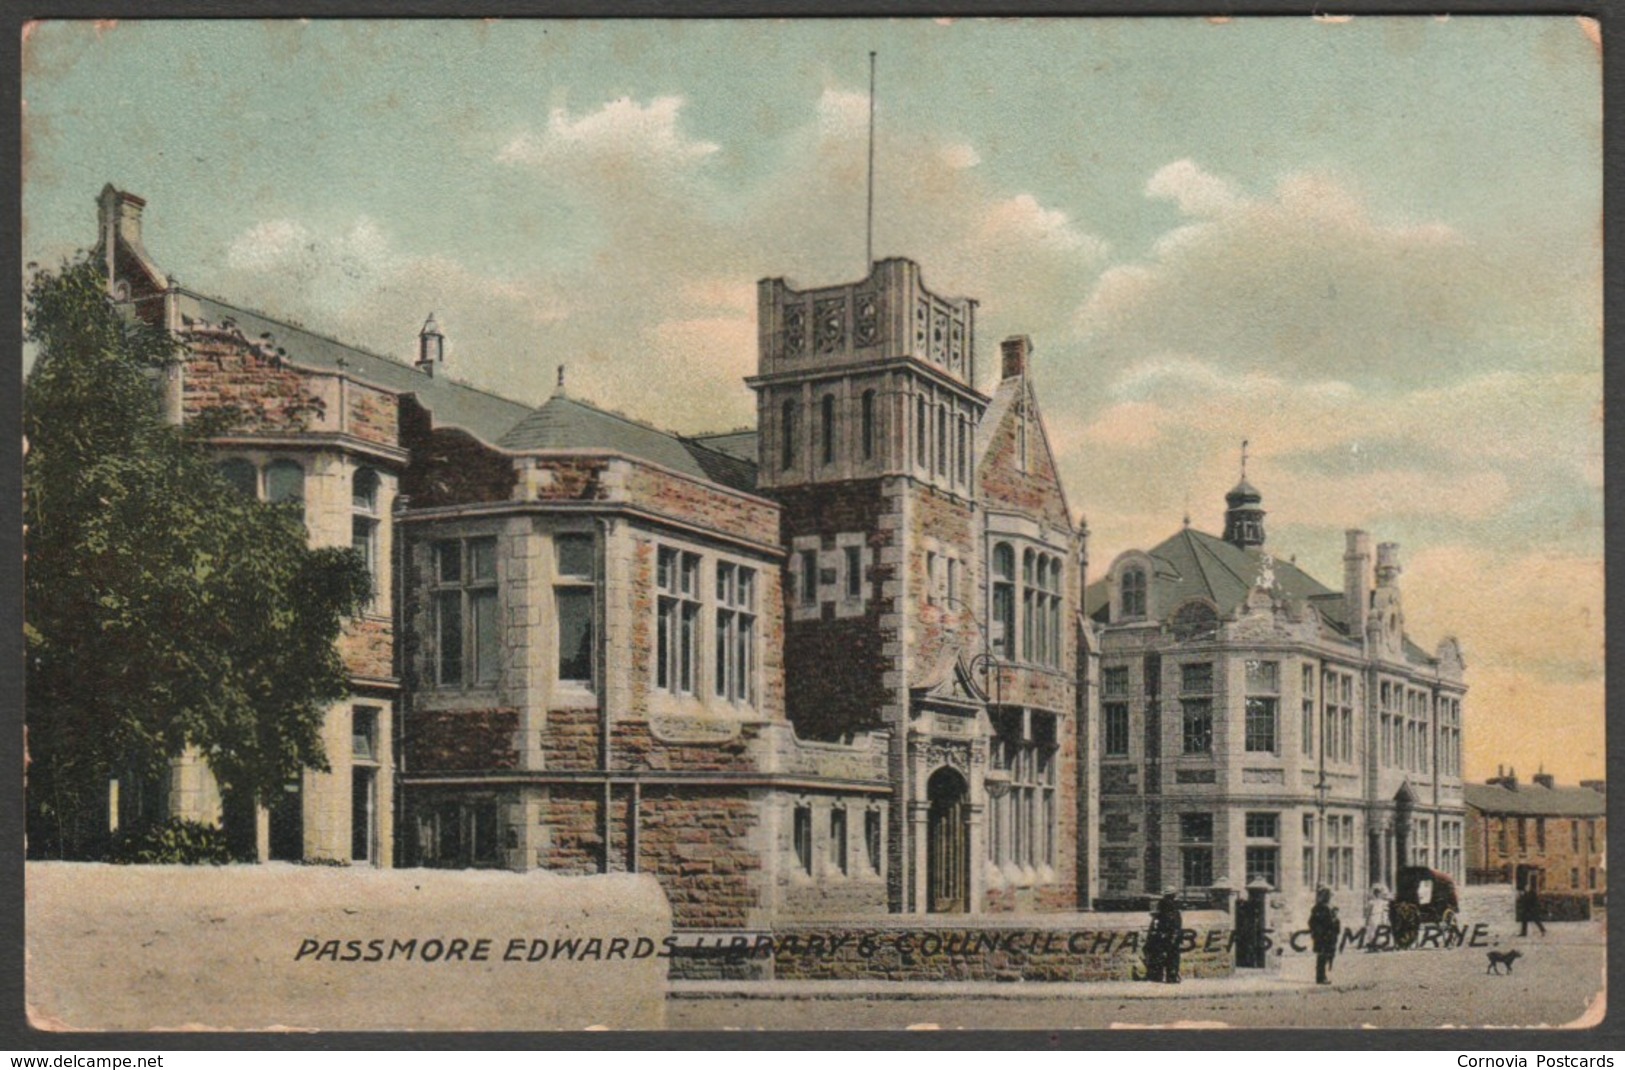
(1422, 896)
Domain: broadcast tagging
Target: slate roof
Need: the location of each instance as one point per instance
(560, 423)
(563, 423)
(1536, 800)
(481, 413)
(737, 444)
(1194, 564)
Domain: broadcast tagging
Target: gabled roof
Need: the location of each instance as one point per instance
(563, 423)
(1536, 800)
(1012, 391)
(483, 414)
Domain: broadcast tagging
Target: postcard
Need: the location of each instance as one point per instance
(1041, 523)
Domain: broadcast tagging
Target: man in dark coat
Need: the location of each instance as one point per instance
(1324, 929)
(1162, 950)
(1529, 908)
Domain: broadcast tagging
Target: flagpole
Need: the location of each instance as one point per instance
(869, 245)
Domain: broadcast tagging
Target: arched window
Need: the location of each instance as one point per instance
(1029, 625)
(1004, 600)
(787, 433)
(964, 438)
(284, 482)
(827, 427)
(1052, 611)
(242, 475)
(1194, 620)
(868, 424)
(922, 452)
(1133, 592)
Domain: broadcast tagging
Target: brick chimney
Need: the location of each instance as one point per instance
(1545, 780)
(1017, 351)
(1357, 580)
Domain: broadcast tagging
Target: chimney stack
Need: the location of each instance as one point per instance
(1546, 780)
(1357, 580)
(431, 346)
(1388, 569)
(119, 221)
(1017, 351)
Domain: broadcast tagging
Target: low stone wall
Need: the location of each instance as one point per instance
(309, 947)
(1069, 947)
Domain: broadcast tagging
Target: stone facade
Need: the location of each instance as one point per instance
(758, 665)
(1255, 724)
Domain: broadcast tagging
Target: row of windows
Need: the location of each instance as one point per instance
(1522, 825)
(1022, 820)
(1261, 724)
(467, 621)
(283, 481)
(1040, 639)
(942, 437)
(681, 613)
(837, 848)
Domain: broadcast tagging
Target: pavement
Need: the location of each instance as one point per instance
(1246, 984)
(1558, 982)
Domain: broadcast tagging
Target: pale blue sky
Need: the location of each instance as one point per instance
(1371, 247)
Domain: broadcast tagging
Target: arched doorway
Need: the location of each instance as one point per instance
(948, 843)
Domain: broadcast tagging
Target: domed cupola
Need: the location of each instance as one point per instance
(1244, 512)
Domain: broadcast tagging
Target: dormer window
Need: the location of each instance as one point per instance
(1132, 598)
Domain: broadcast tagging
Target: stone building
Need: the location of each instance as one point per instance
(1257, 724)
(1557, 837)
(824, 668)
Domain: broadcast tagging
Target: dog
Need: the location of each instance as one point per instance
(1503, 958)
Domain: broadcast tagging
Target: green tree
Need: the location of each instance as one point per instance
(163, 608)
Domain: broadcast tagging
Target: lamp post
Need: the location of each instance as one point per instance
(1321, 788)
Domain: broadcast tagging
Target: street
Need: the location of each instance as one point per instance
(1552, 984)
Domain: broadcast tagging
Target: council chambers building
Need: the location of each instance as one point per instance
(1258, 725)
(830, 666)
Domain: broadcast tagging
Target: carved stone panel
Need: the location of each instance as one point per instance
(866, 320)
(830, 317)
(795, 330)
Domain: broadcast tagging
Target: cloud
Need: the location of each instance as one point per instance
(622, 130)
(1310, 281)
(1194, 190)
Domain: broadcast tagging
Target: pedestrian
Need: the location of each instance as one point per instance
(1529, 909)
(1324, 929)
(1376, 916)
(1167, 930)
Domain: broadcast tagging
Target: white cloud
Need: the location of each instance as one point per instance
(1194, 190)
(843, 114)
(1309, 281)
(622, 129)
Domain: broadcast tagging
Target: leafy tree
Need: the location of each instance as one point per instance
(163, 608)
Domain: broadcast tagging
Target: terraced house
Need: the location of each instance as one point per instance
(1258, 725)
(831, 666)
